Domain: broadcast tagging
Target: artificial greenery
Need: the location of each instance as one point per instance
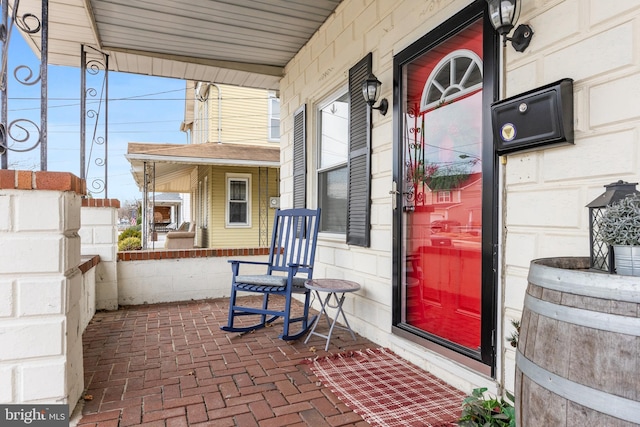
(130, 244)
(482, 410)
(515, 335)
(620, 222)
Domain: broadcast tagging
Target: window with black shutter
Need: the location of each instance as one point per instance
(299, 158)
(359, 168)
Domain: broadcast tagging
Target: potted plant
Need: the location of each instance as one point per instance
(480, 410)
(619, 227)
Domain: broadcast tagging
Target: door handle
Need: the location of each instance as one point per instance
(394, 192)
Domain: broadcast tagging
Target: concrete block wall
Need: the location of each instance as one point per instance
(356, 28)
(148, 277)
(40, 286)
(545, 192)
(88, 289)
(596, 44)
(99, 236)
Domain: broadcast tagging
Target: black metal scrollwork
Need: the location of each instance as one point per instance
(21, 135)
(25, 80)
(94, 63)
(22, 22)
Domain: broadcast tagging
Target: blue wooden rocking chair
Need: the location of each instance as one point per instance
(290, 264)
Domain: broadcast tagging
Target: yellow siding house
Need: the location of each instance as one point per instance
(230, 169)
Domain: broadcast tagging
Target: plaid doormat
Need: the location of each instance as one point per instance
(387, 391)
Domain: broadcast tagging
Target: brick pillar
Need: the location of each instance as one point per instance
(40, 287)
(99, 235)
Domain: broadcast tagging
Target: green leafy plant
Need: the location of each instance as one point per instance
(130, 232)
(620, 222)
(130, 244)
(484, 410)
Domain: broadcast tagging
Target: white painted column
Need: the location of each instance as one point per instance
(99, 236)
(40, 288)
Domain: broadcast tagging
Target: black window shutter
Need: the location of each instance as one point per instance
(299, 158)
(359, 192)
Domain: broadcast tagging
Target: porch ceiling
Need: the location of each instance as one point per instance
(237, 42)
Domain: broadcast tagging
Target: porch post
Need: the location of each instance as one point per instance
(99, 236)
(40, 287)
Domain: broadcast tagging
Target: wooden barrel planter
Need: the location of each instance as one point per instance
(578, 357)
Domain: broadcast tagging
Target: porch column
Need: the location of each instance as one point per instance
(99, 235)
(40, 287)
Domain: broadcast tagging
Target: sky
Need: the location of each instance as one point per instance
(141, 109)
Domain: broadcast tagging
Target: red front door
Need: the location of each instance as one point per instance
(442, 188)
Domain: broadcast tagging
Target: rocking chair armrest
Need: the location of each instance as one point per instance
(237, 261)
(235, 265)
(294, 265)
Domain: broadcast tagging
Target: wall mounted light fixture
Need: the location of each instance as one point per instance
(371, 92)
(504, 14)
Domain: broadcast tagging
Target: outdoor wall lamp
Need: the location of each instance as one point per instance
(504, 14)
(371, 91)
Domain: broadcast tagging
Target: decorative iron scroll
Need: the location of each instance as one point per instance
(94, 119)
(414, 161)
(23, 134)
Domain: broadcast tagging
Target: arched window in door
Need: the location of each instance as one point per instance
(456, 75)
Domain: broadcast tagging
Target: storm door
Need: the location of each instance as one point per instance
(441, 179)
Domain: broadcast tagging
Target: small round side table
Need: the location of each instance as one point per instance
(332, 287)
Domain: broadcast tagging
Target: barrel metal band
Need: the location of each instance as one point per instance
(590, 319)
(619, 288)
(606, 403)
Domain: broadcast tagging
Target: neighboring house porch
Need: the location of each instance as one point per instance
(233, 188)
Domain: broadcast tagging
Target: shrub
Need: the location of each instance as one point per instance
(130, 244)
(130, 232)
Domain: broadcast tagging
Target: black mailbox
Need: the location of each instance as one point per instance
(535, 119)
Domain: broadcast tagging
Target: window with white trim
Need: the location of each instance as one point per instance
(238, 200)
(205, 204)
(456, 75)
(444, 196)
(333, 146)
(200, 203)
(274, 117)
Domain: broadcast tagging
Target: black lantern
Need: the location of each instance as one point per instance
(371, 92)
(504, 14)
(600, 253)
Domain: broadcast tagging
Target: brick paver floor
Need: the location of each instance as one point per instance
(169, 365)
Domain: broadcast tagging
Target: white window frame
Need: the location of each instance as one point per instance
(272, 117)
(205, 204)
(444, 196)
(343, 91)
(200, 197)
(228, 179)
